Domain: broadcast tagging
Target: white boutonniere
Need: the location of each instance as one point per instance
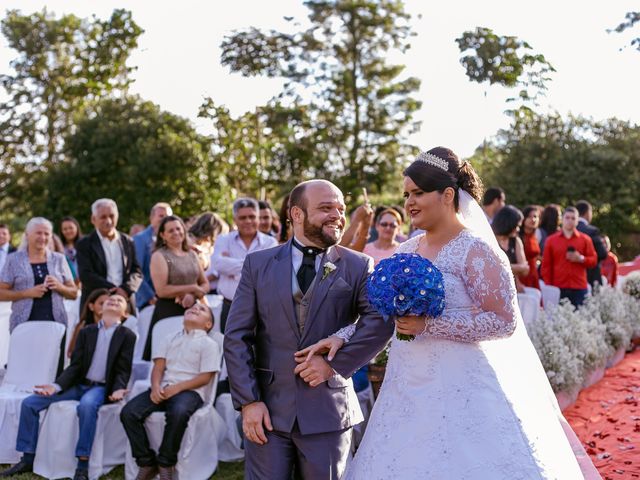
(327, 269)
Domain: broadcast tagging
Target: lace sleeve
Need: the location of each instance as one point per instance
(489, 282)
(346, 333)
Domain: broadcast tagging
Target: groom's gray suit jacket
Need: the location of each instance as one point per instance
(262, 335)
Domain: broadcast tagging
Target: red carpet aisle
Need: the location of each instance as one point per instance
(606, 418)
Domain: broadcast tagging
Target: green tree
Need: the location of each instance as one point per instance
(61, 64)
(130, 150)
(506, 61)
(630, 19)
(358, 106)
(545, 159)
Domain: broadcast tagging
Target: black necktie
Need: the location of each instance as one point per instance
(307, 271)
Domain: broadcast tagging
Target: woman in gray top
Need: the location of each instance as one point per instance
(36, 279)
(176, 273)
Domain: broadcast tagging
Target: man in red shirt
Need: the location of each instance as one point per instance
(567, 256)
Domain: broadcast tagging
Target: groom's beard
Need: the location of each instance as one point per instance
(318, 236)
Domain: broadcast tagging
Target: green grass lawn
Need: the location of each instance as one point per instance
(226, 471)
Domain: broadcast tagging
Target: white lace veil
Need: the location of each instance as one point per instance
(473, 217)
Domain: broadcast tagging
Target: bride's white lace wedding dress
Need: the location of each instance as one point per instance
(469, 399)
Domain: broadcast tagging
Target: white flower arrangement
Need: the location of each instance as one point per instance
(631, 285)
(573, 343)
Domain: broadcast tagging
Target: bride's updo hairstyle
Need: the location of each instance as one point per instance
(439, 169)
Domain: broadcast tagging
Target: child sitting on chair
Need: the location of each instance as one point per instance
(99, 371)
(182, 368)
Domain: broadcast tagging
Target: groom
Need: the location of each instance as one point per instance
(290, 297)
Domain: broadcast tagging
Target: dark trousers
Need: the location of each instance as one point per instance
(178, 410)
(224, 313)
(320, 456)
(575, 295)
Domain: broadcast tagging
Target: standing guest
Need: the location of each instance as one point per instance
(566, 257)
(388, 225)
(99, 371)
(275, 223)
(176, 273)
(145, 242)
(401, 237)
(265, 220)
(493, 200)
(71, 233)
(91, 313)
(135, 229)
(357, 234)
(5, 244)
(107, 257)
(506, 225)
(202, 236)
(549, 222)
(584, 226)
(609, 265)
(182, 368)
(286, 231)
(531, 246)
(230, 250)
(36, 279)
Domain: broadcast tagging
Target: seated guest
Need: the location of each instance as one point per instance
(566, 257)
(388, 224)
(531, 246)
(36, 279)
(506, 225)
(493, 200)
(145, 244)
(91, 313)
(71, 233)
(106, 257)
(230, 250)
(176, 274)
(609, 265)
(5, 244)
(182, 368)
(99, 371)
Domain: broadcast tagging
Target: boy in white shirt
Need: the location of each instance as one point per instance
(182, 368)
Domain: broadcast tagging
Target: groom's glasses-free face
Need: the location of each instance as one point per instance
(388, 225)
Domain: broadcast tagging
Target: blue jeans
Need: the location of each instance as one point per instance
(575, 295)
(91, 399)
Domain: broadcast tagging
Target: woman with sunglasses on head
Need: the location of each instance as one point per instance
(388, 226)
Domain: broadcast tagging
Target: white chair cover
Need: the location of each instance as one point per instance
(5, 314)
(198, 457)
(55, 453)
(534, 292)
(529, 307)
(230, 447)
(550, 296)
(215, 303)
(144, 320)
(25, 370)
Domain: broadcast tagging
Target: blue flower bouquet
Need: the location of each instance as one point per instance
(406, 284)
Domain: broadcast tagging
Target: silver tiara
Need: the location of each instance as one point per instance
(434, 160)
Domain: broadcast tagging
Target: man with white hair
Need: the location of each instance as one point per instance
(231, 249)
(106, 257)
(144, 243)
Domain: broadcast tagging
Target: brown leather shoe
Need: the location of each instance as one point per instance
(166, 473)
(147, 473)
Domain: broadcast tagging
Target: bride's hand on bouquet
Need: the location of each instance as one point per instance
(411, 325)
(329, 345)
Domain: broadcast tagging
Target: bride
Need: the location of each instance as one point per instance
(468, 398)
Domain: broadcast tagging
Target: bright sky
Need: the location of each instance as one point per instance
(178, 58)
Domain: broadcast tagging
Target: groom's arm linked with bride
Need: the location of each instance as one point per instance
(263, 335)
